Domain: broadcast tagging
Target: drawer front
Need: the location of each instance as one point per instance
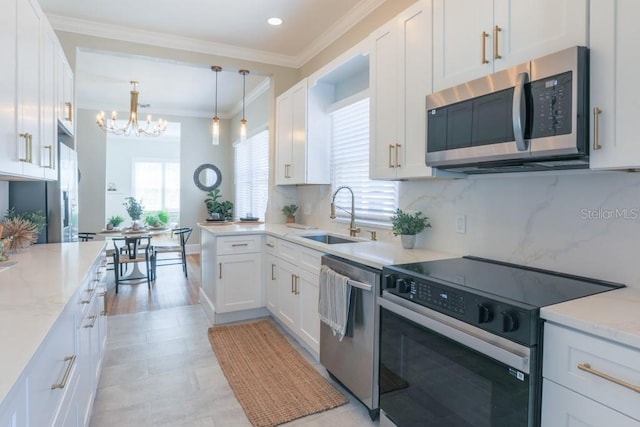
(227, 245)
(562, 407)
(270, 245)
(289, 251)
(52, 365)
(310, 259)
(566, 351)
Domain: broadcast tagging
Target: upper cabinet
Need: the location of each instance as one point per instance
(29, 93)
(473, 38)
(302, 134)
(614, 58)
(400, 69)
(64, 105)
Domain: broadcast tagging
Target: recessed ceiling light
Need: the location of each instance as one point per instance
(275, 21)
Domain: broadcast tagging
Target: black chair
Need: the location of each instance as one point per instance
(133, 250)
(183, 234)
(84, 236)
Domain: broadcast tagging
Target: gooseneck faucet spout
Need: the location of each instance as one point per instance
(353, 230)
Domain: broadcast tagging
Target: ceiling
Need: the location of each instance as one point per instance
(235, 29)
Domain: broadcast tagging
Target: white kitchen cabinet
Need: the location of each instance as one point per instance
(614, 57)
(302, 132)
(239, 282)
(400, 69)
(584, 371)
(297, 270)
(271, 273)
(65, 93)
(9, 163)
(473, 38)
(13, 409)
(49, 143)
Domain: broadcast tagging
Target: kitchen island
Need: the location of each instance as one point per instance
(44, 294)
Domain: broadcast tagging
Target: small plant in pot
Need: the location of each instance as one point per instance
(114, 222)
(134, 209)
(407, 226)
(290, 212)
(217, 209)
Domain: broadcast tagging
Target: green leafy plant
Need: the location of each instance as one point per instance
(214, 205)
(289, 210)
(115, 220)
(406, 223)
(160, 218)
(163, 216)
(36, 218)
(133, 207)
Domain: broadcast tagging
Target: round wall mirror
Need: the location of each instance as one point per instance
(207, 177)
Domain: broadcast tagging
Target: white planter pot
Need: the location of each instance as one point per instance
(408, 240)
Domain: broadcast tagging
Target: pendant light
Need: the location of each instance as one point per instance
(215, 125)
(243, 122)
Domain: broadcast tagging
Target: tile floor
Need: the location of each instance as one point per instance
(160, 370)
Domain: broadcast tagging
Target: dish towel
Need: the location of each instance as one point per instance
(335, 300)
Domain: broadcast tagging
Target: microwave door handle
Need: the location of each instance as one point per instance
(519, 122)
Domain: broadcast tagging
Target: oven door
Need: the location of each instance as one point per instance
(438, 371)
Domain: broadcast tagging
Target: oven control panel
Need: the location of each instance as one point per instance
(486, 313)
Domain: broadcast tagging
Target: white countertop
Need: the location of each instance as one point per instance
(33, 293)
(375, 254)
(614, 315)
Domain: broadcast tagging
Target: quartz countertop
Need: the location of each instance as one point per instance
(376, 254)
(614, 315)
(33, 293)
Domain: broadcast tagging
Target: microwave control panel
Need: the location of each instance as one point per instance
(551, 114)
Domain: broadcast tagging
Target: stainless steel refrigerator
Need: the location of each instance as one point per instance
(57, 199)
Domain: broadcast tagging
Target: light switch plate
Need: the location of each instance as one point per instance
(461, 224)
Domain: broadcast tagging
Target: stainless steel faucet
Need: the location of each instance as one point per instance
(353, 230)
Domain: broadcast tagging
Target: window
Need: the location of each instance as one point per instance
(157, 184)
(375, 201)
(251, 169)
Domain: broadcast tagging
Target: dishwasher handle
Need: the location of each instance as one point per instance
(360, 285)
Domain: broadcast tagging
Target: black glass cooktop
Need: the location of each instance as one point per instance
(522, 285)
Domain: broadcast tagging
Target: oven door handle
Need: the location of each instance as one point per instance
(518, 119)
(512, 354)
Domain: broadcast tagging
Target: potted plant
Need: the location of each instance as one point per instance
(290, 212)
(157, 220)
(216, 208)
(134, 209)
(114, 222)
(407, 226)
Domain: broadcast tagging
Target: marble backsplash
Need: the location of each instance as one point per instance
(585, 223)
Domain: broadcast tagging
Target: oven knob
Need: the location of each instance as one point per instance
(485, 314)
(404, 286)
(509, 321)
(389, 281)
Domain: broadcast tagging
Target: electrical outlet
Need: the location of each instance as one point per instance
(461, 224)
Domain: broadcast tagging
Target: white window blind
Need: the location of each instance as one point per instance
(251, 161)
(375, 201)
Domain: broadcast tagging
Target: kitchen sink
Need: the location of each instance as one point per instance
(329, 239)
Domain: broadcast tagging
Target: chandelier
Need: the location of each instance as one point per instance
(132, 126)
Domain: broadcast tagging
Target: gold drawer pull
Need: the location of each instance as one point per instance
(271, 245)
(596, 115)
(273, 274)
(391, 147)
(398, 155)
(219, 270)
(68, 111)
(93, 323)
(235, 245)
(587, 368)
(67, 372)
(484, 47)
(496, 54)
(50, 148)
(84, 301)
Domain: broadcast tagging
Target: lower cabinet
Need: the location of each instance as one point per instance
(297, 291)
(588, 380)
(239, 286)
(58, 386)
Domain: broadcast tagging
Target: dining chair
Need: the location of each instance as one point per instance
(182, 234)
(133, 250)
(85, 236)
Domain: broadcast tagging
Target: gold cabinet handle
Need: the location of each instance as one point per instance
(391, 146)
(496, 54)
(70, 361)
(30, 145)
(68, 110)
(484, 47)
(596, 115)
(50, 148)
(398, 155)
(587, 368)
(235, 245)
(270, 245)
(297, 285)
(84, 301)
(219, 270)
(93, 322)
(25, 135)
(286, 170)
(292, 285)
(273, 273)
(103, 295)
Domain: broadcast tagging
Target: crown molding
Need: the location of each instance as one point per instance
(117, 32)
(342, 25)
(252, 96)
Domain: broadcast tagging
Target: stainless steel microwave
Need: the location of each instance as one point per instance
(530, 117)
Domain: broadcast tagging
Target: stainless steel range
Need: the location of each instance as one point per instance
(461, 341)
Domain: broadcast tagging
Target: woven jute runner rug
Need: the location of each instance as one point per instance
(271, 380)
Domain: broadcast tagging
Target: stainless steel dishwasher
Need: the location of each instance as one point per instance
(353, 362)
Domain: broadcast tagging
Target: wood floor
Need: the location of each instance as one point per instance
(171, 289)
